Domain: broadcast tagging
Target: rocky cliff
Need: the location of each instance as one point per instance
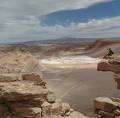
(113, 65)
(109, 107)
(29, 97)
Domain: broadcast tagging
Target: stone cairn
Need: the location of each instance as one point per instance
(27, 96)
(109, 107)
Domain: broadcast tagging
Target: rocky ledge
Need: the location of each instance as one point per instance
(27, 96)
(109, 107)
(113, 65)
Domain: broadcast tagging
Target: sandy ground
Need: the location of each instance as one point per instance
(79, 86)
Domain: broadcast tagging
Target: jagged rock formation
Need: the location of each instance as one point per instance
(29, 97)
(109, 107)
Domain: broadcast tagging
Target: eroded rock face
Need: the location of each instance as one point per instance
(107, 107)
(30, 98)
(112, 65)
(107, 65)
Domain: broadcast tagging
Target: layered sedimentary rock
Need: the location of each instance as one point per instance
(29, 97)
(112, 65)
(109, 107)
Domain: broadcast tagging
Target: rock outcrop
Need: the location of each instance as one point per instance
(113, 65)
(29, 97)
(109, 107)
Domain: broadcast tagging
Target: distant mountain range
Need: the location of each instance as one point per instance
(66, 40)
(60, 40)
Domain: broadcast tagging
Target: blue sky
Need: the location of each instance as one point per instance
(23, 20)
(97, 11)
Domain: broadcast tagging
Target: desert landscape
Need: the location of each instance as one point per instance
(70, 71)
(59, 58)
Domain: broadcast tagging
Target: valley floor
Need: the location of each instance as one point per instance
(80, 87)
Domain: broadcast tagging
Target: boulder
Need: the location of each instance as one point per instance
(104, 104)
(51, 109)
(106, 107)
(65, 109)
(51, 97)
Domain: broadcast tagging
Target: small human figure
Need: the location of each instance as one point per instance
(110, 52)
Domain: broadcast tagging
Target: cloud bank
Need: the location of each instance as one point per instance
(20, 20)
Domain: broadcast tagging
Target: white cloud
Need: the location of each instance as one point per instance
(23, 8)
(19, 19)
(31, 29)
